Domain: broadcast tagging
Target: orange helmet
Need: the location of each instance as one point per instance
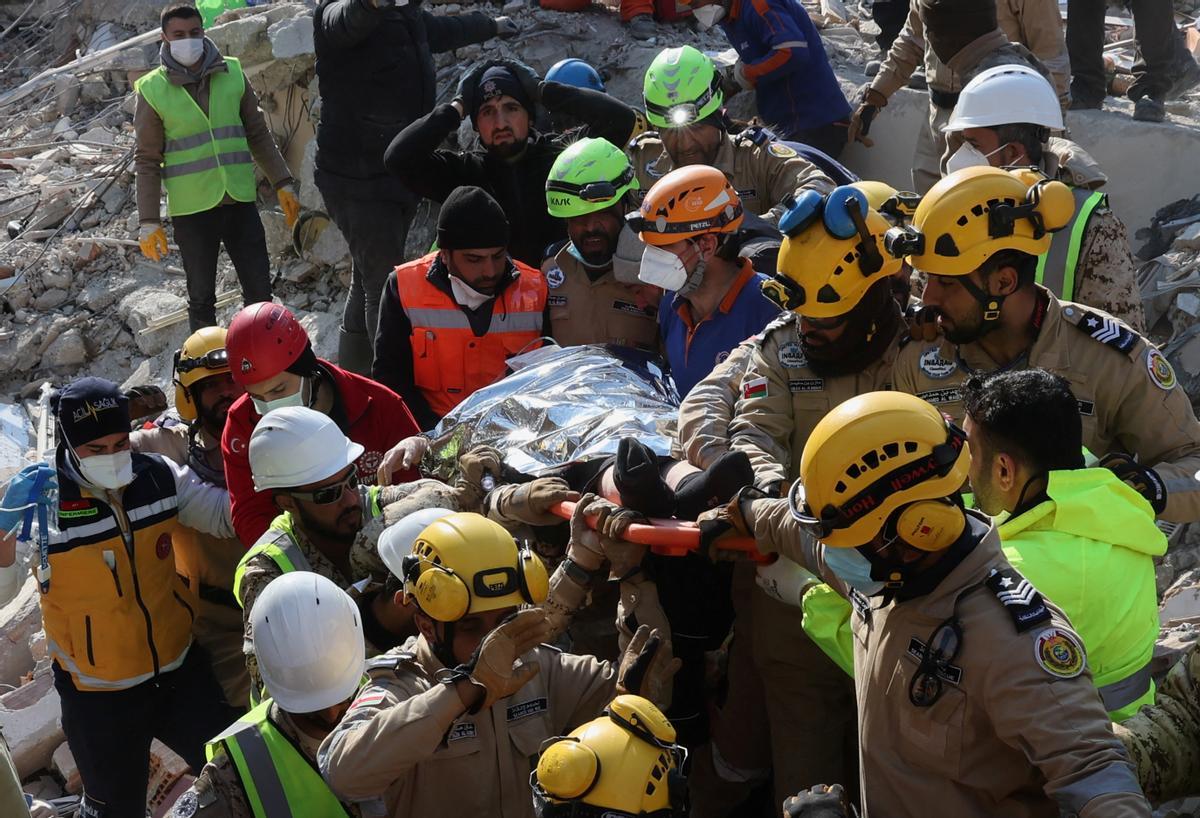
(686, 203)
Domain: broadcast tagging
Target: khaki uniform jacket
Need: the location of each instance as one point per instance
(707, 411)
(1107, 276)
(1129, 397)
(762, 174)
(407, 749)
(1012, 734)
(782, 400)
(218, 791)
(603, 311)
(1036, 24)
(1164, 740)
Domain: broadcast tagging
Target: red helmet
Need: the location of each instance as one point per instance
(264, 339)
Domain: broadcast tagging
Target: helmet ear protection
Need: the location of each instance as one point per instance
(444, 595)
(930, 525)
(1048, 206)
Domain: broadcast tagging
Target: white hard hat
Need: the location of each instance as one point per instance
(1006, 95)
(396, 541)
(308, 638)
(295, 446)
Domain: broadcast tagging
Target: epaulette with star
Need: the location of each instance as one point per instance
(1023, 602)
(1103, 328)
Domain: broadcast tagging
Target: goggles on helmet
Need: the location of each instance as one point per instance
(660, 224)
(213, 359)
(593, 191)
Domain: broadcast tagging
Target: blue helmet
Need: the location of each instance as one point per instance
(576, 72)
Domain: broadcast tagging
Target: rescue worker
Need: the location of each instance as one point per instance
(270, 356)
(1164, 740)
(839, 339)
(781, 58)
(118, 625)
(683, 98)
(591, 299)
(450, 319)
(500, 97)
(713, 299)
(1089, 260)
(977, 235)
(967, 678)
(309, 638)
(624, 764)
(954, 38)
(475, 697)
(1080, 533)
(375, 67)
(199, 131)
(204, 391)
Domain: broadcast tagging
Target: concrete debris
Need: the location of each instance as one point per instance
(20, 619)
(31, 721)
(1181, 602)
(64, 764)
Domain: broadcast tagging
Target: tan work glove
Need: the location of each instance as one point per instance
(492, 665)
(860, 121)
(728, 521)
(646, 667)
(530, 503)
(289, 203)
(153, 241)
(611, 524)
(473, 466)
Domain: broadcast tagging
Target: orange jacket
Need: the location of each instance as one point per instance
(449, 360)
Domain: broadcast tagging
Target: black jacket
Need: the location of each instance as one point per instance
(520, 186)
(376, 74)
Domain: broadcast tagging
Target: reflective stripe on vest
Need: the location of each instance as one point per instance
(280, 782)
(205, 157)
(281, 548)
(1062, 259)
(1124, 692)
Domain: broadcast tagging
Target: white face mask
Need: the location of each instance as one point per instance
(294, 399)
(662, 268)
(187, 51)
(108, 471)
(708, 16)
(466, 295)
(969, 156)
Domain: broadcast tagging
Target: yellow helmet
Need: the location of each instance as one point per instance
(621, 765)
(976, 212)
(894, 205)
(466, 564)
(875, 454)
(822, 275)
(201, 356)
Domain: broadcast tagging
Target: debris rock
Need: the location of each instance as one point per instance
(67, 350)
(139, 309)
(1181, 602)
(20, 619)
(64, 764)
(31, 721)
(51, 213)
(291, 38)
(50, 299)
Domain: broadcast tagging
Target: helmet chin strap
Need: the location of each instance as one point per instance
(696, 276)
(991, 304)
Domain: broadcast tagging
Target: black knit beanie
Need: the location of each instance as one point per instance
(471, 219)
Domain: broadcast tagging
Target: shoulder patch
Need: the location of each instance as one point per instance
(791, 355)
(934, 366)
(1103, 328)
(1023, 602)
(1059, 652)
(756, 388)
(782, 151)
(1160, 369)
(555, 277)
(369, 698)
(186, 806)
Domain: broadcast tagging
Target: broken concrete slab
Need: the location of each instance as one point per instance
(20, 619)
(64, 764)
(291, 38)
(1181, 602)
(67, 351)
(139, 309)
(31, 721)
(50, 299)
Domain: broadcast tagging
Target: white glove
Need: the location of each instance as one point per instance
(506, 28)
(42, 809)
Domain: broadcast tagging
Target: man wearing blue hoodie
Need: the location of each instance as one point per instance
(1083, 536)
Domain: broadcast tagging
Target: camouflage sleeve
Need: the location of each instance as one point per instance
(1107, 277)
(216, 793)
(1163, 740)
(762, 422)
(259, 572)
(706, 412)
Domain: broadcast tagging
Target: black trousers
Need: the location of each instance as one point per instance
(109, 733)
(1154, 24)
(376, 231)
(200, 237)
(890, 16)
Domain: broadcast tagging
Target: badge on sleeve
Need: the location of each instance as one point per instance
(1059, 652)
(792, 356)
(186, 806)
(555, 277)
(781, 150)
(756, 388)
(1160, 369)
(934, 365)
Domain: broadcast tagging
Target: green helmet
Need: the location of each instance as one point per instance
(590, 175)
(682, 86)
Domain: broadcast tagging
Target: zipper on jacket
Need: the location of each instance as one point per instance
(111, 562)
(186, 606)
(127, 535)
(87, 626)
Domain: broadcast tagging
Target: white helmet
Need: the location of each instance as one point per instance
(396, 541)
(308, 638)
(1006, 95)
(295, 446)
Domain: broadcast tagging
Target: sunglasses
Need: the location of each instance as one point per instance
(329, 494)
(936, 668)
(213, 359)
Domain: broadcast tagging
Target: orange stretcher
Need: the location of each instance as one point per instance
(669, 537)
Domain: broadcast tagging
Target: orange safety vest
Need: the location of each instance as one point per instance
(449, 361)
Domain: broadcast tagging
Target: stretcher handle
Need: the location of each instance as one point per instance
(668, 537)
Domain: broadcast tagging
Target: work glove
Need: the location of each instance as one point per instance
(153, 241)
(646, 666)
(506, 28)
(468, 86)
(728, 521)
(822, 801)
(492, 665)
(531, 502)
(289, 203)
(145, 400)
(1143, 479)
(403, 456)
(42, 809)
(473, 467)
(922, 324)
(607, 539)
(870, 101)
(36, 483)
